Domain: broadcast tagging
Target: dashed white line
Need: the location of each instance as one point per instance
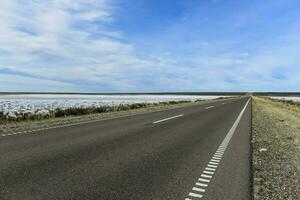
(195, 195)
(205, 176)
(208, 172)
(210, 169)
(198, 189)
(201, 184)
(209, 107)
(218, 155)
(203, 180)
(212, 165)
(162, 120)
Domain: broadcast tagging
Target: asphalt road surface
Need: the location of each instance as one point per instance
(196, 152)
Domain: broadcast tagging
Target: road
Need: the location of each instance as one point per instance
(195, 152)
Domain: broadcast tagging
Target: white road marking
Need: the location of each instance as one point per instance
(216, 158)
(214, 166)
(210, 169)
(203, 180)
(207, 172)
(205, 176)
(87, 122)
(198, 189)
(213, 163)
(229, 135)
(218, 154)
(162, 120)
(223, 103)
(209, 107)
(195, 195)
(201, 184)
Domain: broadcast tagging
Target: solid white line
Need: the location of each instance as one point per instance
(209, 107)
(201, 184)
(203, 180)
(229, 135)
(195, 195)
(198, 189)
(162, 120)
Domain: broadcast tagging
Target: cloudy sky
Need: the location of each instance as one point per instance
(149, 45)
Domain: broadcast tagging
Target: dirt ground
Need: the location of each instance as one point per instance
(276, 150)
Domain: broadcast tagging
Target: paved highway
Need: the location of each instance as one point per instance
(196, 152)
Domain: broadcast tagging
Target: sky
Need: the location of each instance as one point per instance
(149, 45)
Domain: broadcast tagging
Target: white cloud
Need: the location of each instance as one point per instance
(68, 43)
(17, 83)
(64, 40)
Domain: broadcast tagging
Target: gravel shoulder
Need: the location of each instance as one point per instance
(16, 126)
(276, 149)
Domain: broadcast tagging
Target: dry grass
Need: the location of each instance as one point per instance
(276, 149)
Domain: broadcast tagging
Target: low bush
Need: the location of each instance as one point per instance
(82, 111)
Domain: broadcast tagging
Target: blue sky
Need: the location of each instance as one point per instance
(149, 45)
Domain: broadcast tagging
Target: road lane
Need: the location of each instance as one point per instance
(125, 158)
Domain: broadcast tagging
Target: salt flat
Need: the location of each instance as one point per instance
(44, 103)
(287, 98)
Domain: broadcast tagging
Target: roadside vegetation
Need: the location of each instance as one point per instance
(276, 149)
(57, 117)
(78, 111)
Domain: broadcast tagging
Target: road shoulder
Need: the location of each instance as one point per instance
(276, 150)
